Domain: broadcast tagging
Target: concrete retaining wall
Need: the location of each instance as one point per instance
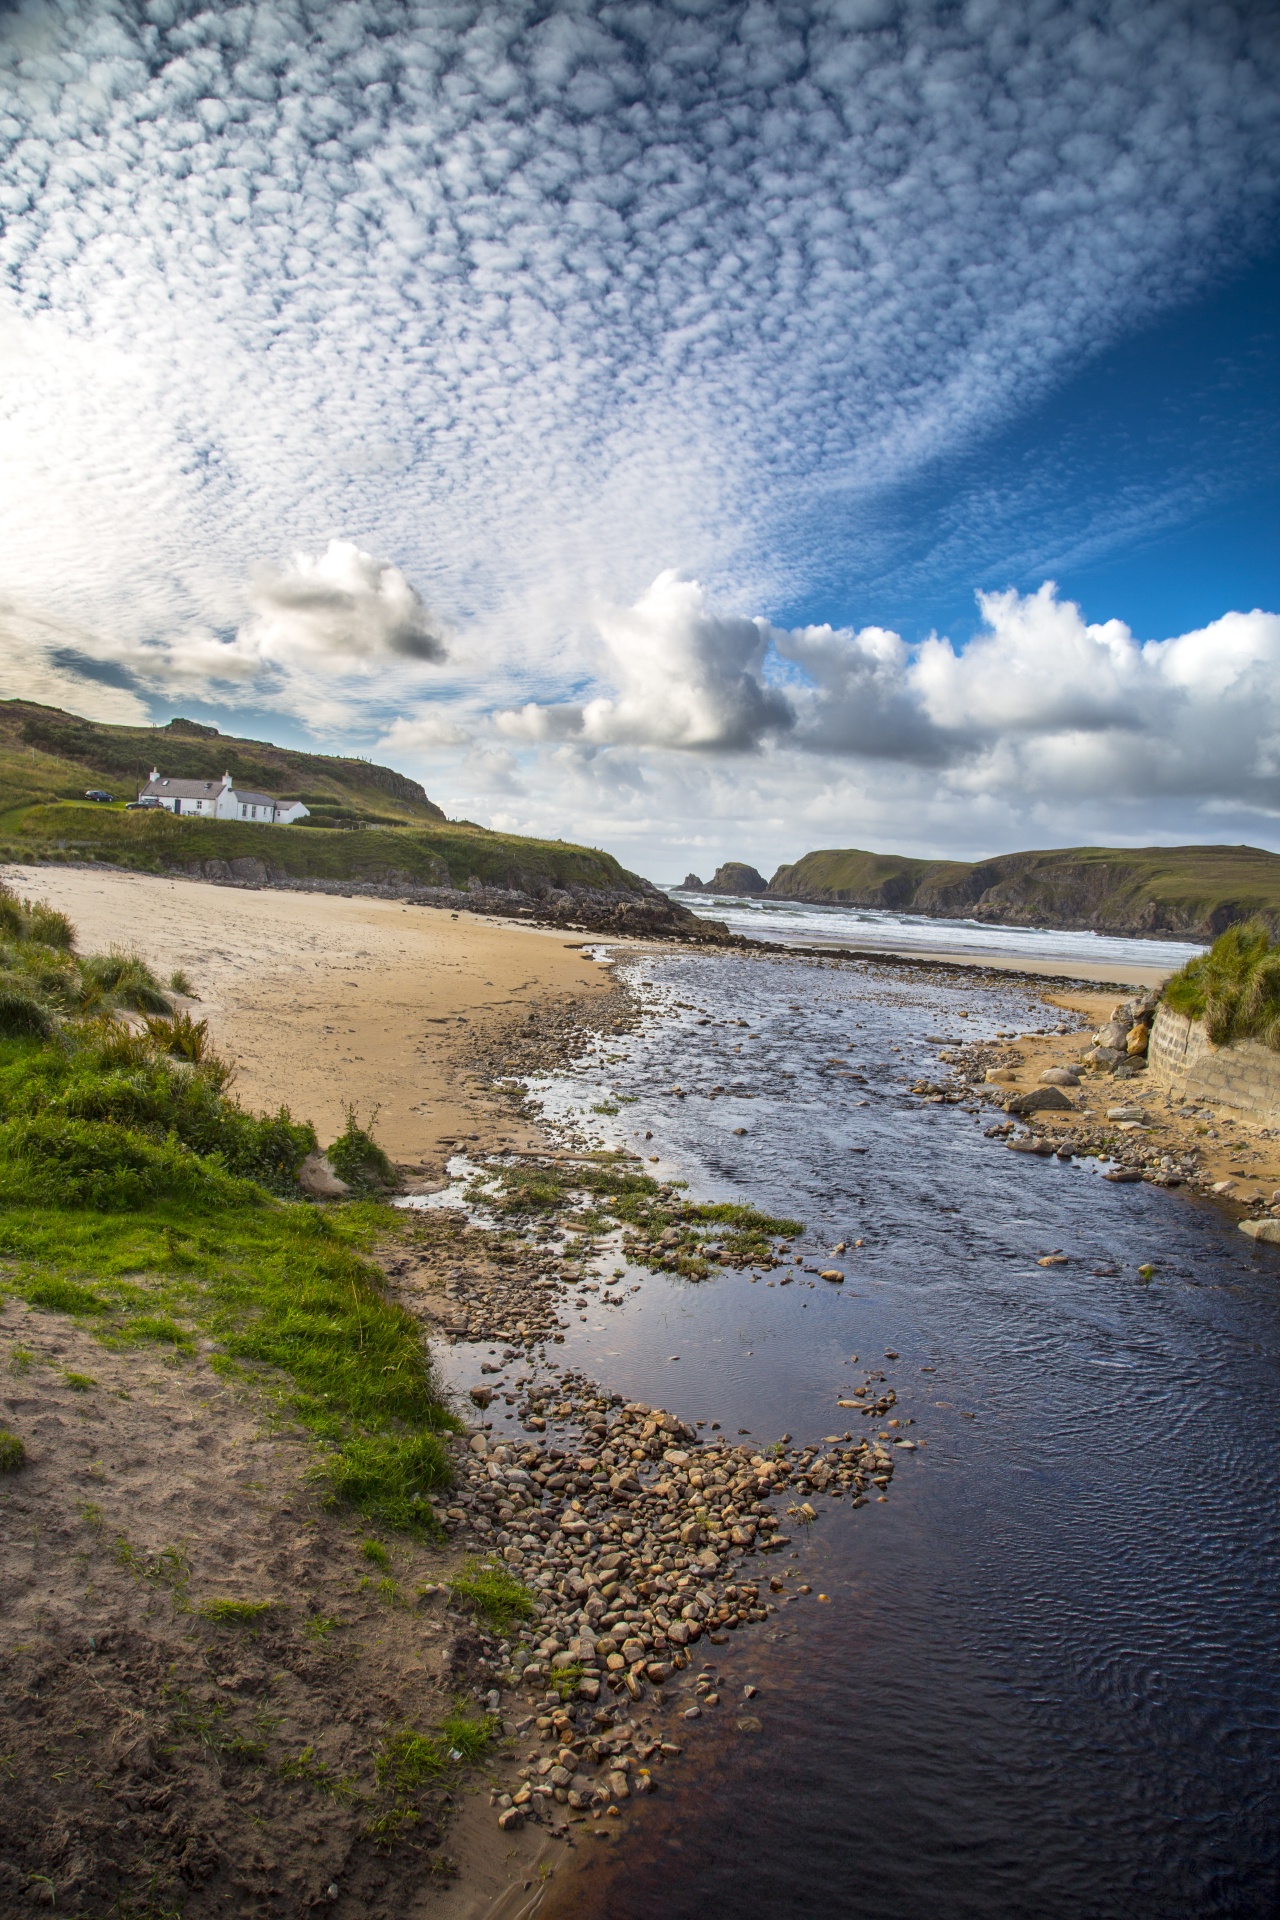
(1244, 1076)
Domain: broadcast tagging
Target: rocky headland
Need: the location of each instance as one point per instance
(1190, 892)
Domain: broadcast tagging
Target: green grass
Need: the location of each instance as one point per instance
(1234, 988)
(80, 1382)
(488, 1590)
(422, 855)
(290, 1297)
(169, 1567)
(303, 1769)
(356, 1157)
(12, 1452)
(566, 1680)
(136, 1195)
(624, 1196)
(375, 1551)
(237, 1613)
(410, 1761)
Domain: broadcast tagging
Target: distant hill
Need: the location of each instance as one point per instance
(1190, 891)
(371, 830)
(47, 754)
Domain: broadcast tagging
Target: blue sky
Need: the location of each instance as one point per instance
(707, 430)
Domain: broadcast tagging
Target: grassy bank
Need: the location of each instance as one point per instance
(395, 835)
(1234, 988)
(449, 854)
(137, 1196)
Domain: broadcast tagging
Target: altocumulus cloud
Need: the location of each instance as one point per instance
(494, 315)
(543, 299)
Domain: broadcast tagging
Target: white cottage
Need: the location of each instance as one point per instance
(211, 800)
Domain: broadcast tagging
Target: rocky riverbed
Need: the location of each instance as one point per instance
(641, 1540)
(1093, 1102)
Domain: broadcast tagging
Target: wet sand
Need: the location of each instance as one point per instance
(321, 1000)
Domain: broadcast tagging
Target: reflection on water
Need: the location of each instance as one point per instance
(792, 923)
(1046, 1680)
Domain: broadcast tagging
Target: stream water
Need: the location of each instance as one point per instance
(1044, 1679)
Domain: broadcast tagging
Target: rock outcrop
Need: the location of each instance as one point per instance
(735, 877)
(640, 909)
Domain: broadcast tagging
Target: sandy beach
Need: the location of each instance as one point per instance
(321, 1000)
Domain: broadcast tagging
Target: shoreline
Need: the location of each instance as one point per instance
(320, 1000)
(381, 968)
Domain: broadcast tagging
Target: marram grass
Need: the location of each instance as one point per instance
(1234, 987)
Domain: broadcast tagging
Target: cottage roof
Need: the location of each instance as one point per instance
(164, 788)
(182, 789)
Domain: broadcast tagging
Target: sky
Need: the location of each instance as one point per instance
(707, 431)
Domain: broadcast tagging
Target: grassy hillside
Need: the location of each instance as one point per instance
(48, 758)
(446, 854)
(1193, 891)
(47, 754)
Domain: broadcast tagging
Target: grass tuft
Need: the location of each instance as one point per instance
(410, 1761)
(356, 1157)
(566, 1680)
(488, 1590)
(13, 1454)
(1234, 988)
(237, 1613)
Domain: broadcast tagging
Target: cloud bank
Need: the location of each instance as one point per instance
(1038, 701)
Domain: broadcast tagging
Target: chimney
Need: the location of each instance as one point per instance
(155, 773)
(226, 779)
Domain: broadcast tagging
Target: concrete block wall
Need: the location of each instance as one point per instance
(1244, 1076)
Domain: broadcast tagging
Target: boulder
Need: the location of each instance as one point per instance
(318, 1177)
(1060, 1077)
(1266, 1230)
(1138, 1039)
(1040, 1100)
(1114, 1035)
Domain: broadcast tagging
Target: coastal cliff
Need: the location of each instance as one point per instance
(1190, 891)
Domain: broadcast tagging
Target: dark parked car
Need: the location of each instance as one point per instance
(96, 793)
(140, 806)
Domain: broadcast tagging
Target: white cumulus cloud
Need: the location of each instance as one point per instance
(342, 610)
(685, 677)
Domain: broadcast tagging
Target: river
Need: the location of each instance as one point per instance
(1044, 1681)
